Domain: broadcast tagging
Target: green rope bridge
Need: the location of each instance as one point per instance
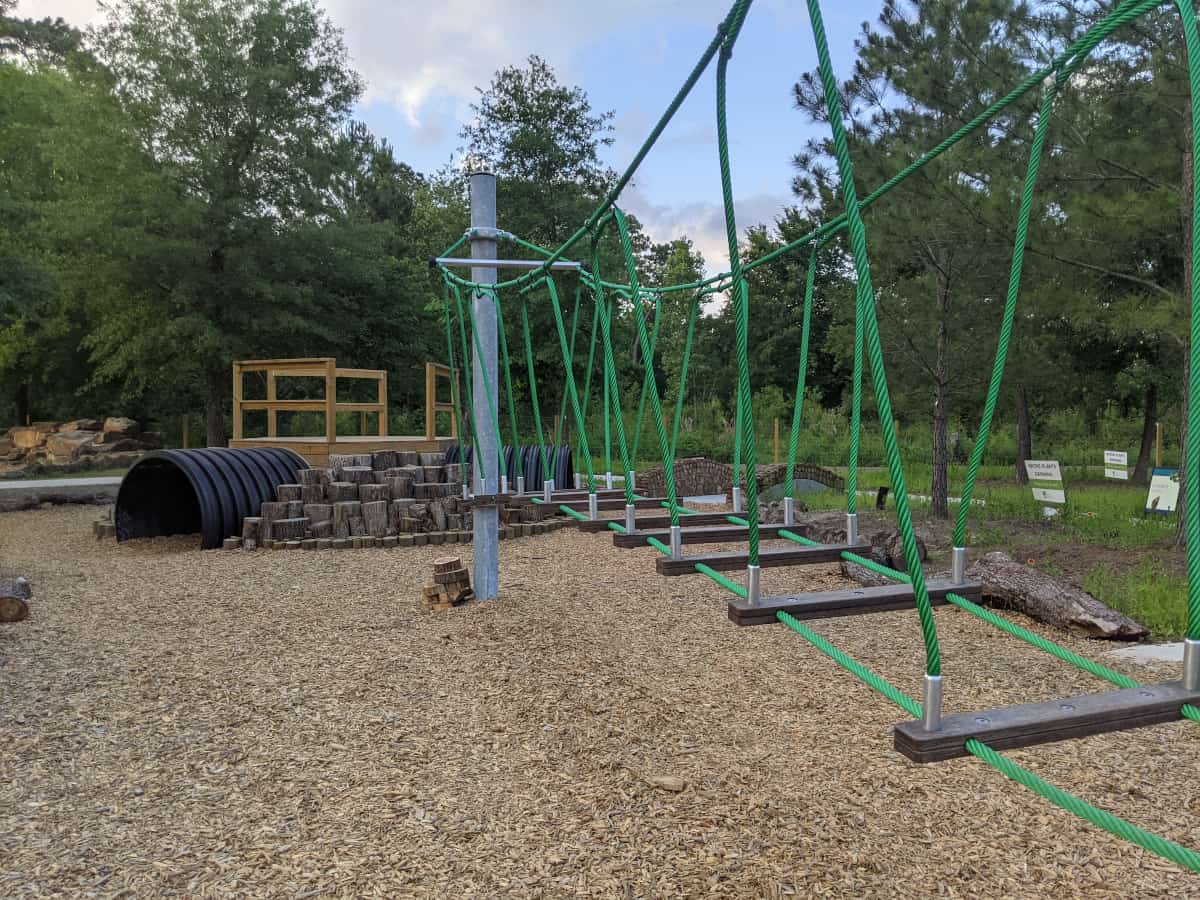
(608, 296)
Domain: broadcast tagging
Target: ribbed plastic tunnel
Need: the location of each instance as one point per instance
(206, 491)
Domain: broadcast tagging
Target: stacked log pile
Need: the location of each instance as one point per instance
(450, 587)
(383, 499)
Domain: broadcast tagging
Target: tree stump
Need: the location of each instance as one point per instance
(342, 514)
(384, 459)
(375, 517)
(288, 529)
(339, 491)
(269, 513)
(323, 529)
(431, 474)
(400, 487)
(286, 492)
(13, 609)
(314, 476)
(357, 528)
(312, 493)
(369, 493)
(251, 529)
(318, 512)
(358, 474)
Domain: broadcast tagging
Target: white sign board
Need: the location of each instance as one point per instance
(1164, 492)
(1045, 477)
(1116, 465)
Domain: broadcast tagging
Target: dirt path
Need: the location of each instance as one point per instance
(178, 723)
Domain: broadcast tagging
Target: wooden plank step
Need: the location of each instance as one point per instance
(612, 503)
(1041, 723)
(767, 558)
(848, 602)
(656, 521)
(702, 534)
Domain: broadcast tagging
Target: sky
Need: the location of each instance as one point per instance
(422, 63)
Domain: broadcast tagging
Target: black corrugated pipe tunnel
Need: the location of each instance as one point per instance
(205, 491)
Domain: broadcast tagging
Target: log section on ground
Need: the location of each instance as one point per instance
(738, 559)
(1041, 723)
(849, 602)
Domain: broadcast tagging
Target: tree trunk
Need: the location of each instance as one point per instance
(1141, 471)
(1024, 438)
(214, 413)
(939, 489)
(22, 404)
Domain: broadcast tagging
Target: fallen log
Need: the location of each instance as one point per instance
(1013, 586)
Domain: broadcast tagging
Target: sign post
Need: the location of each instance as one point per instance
(1163, 499)
(1045, 477)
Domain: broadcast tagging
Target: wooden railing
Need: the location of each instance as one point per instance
(433, 406)
(318, 367)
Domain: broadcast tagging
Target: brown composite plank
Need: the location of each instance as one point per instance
(846, 602)
(768, 558)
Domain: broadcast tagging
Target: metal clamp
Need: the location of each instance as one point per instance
(676, 542)
(753, 585)
(851, 528)
(630, 518)
(931, 708)
(958, 562)
(593, 507)
(520, 484)
(631, 480)
(1191, 664)
(608, 482)
(504, 484)
(737, 499)
(789, 511)
(548, 489)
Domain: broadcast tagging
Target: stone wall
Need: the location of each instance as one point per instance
(696, 476)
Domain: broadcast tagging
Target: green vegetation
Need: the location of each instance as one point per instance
(1149, 593)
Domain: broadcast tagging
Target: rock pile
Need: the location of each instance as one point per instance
(64, 442)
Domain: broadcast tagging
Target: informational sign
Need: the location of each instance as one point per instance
(1116, 465)
(1164, 492)
(1045, 477)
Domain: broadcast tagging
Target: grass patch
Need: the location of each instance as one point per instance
(1148, 593)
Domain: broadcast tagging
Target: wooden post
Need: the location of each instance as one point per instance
(777, 440)
(237, 402)
(331, 401)
(1158, 445)
(183, 431)
(430, 401)
(382, 398)
(271, 422)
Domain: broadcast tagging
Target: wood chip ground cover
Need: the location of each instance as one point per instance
(221, 724)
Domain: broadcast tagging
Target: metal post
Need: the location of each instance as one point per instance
(753, 585)
(959, 565)
(737, 499)
(520, 484)
(1191, 665)
(851, 528)
(578, 481)
(608, 482)
(931, 709)
(504, 484)
(485, 537)
(676, 542)
(789, 511)
(593, 507)
(548, 489)
(630, 518)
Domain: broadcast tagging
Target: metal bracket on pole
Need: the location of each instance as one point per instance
(931, 708)
(753, 585)
(1191, 664)
(520, 484)
(958, 563)
(737, 499)
(608, 482)
(676, 542)
(851, 528)
(578, 481)
(789, 511)
(466, 492)
(593, 507)
(630, 518)
(548, 489)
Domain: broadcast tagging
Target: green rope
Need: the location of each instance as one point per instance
(562, 412)
(801, 374)
(506, 363)
(537, 414)
(693, 313)
(587, 382)
(649, 379)
(487, 381)
(455, 400)
(569, 368)
(1010, 310)
(610, 369)
(740, 290)
(866, 292)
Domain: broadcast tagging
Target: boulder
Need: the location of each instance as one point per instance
(117, 427)
(27, 437)
(82, 425)
(65, 445)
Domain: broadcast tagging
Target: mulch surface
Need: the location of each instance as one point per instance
(289, 724)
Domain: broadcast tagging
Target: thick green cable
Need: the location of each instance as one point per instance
(648, 383)
(587, 382)
(858, 243)
(455, 400)
(506, 363)
(693, 314)
(569, 368)
(487, 381)
(610, 369)
(637, 432)
(468, 380)
(1191, 475)
(562, 412)
(1010, 311)
(537, 413)
(608, 466)
(801, 373)
(740, 290)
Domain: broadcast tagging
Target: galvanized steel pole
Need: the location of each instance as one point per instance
(486, 516)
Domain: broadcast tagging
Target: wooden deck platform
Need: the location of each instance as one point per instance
(317, 449)
(1041, 723)
(848, 602)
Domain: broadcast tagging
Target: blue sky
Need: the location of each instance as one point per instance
(423, 60)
